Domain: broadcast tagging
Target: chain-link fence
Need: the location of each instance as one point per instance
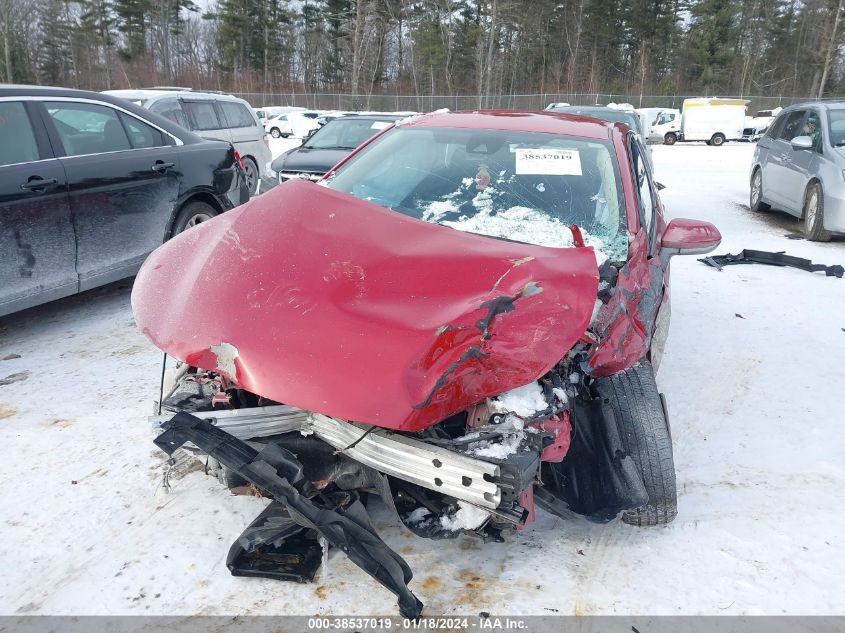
(427, 103)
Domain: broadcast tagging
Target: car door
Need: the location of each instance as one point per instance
(37, 244)
(803, 163)
(246, 132)
(205, 119)
(648, 273)
(123, 184)
(778, 176)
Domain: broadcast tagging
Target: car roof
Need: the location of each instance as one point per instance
(825, 105)
(517, 121)
(151, 93)
(19, 90)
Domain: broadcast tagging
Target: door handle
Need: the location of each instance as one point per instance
(36, 182)
(786, 158)
(162, 167)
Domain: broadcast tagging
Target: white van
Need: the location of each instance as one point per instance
(712, 120)
(648, 117)
(215, 116)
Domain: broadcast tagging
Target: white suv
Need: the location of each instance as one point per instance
(296, 124)
(214, 116)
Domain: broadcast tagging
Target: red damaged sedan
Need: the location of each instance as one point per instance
(464, 318)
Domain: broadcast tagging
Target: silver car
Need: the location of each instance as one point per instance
(799, 167)
(212, 115)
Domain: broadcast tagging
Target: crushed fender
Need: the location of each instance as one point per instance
(748, 256)
(341, 519)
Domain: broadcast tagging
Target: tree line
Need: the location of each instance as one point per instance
(487, 48)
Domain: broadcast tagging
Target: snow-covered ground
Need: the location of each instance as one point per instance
(754, 376)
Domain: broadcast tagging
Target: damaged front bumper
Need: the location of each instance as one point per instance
(340, 519)
(454, 474)
(281, 543)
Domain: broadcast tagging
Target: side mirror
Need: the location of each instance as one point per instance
(689, 237)
(802, 142)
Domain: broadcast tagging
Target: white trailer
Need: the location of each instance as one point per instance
(712, 120)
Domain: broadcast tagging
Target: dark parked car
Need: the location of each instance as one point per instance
(90, 184)
(327, 146)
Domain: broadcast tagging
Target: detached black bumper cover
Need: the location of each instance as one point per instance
(749, 256)
(278, 472)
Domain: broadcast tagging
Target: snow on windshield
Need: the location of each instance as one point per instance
(521, 186)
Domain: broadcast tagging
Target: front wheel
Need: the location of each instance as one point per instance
(670, 139)
(756, 200)
(275, 132)
(644, 431)
(814, 214)
(717, 139)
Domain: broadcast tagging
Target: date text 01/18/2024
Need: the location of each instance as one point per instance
(421, 624)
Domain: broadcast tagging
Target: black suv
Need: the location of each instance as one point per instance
(90, 184)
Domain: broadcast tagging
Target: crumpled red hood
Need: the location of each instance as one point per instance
(317, 299)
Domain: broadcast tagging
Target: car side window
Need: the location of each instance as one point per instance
(813, 128)
(19, 145)
(170, 109)
(141, 135)
(202, 115)
(775, 128)
(236, 114)
(87, 128)
(645, 197)
(792, 126)
(665, 117)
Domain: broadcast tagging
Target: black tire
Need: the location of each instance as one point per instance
(275, 132)
(670, 139)
(755, 202)
(193, 213)
(717, 139)
(252, 175)
(644, 430)
(814, 218)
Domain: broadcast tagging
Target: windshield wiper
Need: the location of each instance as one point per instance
(839, 144)
(329, 147)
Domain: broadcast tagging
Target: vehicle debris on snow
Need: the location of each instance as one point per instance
(367, 348)
(748, 256)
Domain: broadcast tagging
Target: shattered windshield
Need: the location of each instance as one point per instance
(522, 186)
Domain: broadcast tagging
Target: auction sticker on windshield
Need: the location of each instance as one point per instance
(548, 162)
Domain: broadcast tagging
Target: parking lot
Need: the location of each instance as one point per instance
(753, 374)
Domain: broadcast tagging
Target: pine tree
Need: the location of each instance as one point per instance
(711, 42)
